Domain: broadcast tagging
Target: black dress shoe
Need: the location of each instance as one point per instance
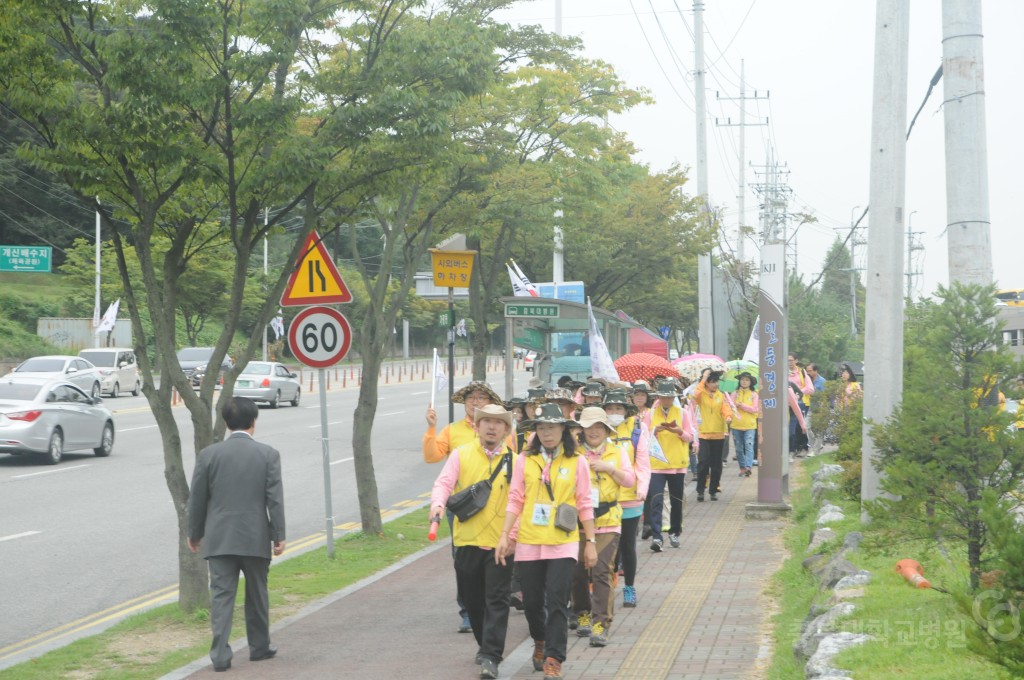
(221, 669)
(269, 654)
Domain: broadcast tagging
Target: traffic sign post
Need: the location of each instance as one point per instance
(454, 269)
(26, 258)
(320, 337)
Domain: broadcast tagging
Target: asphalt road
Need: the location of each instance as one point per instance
(92, 534)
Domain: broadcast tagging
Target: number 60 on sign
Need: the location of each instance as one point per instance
(319, 336)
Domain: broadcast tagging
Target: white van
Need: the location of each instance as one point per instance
(118, 370)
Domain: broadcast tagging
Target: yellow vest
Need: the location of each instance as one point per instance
(741, 420)
(563, 486)
(608, 488)
(676, 450)
(624, 433)
(484, 528)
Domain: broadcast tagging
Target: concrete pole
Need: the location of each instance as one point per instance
(266, 219)
(96, 310)
(963, 75)
(705, 314)
(558, 261)
(883, 328)
(741, 194)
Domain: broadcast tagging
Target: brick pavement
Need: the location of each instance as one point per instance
(700, 614)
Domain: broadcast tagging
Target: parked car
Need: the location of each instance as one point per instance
(528, 360)
(75, 370)
(268, 381)
(48, 417)
(195, 362)
(117, 368)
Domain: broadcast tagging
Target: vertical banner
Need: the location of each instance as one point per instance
(773, 474)
(601, 364)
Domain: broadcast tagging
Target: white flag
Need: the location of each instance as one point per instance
(530, 288)
(753, 349)
(109, 319)
(601, 364)
(519, 288)
(460, 329)
(440, 379)
(277, 325)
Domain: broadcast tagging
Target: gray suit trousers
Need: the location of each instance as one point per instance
(224, 571)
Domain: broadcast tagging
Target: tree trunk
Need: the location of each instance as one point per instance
(362, 429)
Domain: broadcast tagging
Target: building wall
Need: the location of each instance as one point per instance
(1013, 328)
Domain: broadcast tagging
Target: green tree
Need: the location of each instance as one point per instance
(949, 446)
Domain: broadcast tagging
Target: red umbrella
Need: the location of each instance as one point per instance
(643, 366)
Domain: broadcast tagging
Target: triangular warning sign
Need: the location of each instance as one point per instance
(316, 280)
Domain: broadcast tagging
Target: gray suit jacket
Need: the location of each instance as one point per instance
(236, 505)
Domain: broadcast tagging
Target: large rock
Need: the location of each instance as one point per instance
(819, 537)
(852, 540)
(815, 630)
(834, 570)
(861, 578)
(828, 517)
(827, 471)
(820, 488)
(820, 664)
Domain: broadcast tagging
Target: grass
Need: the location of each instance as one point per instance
(42, 287)
(919, 633)
(155, 642)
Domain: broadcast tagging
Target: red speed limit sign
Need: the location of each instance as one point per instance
(319, 336)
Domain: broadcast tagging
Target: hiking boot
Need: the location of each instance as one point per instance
(714, 496)
(488, 669)
(673, 540)
(747, 472)
(598, 635)
(538, 655)
(646, 533)
(552, 668)
(700, 497)
(465, 626)
(479, 658)
(516, 600)
(628, 596)
(583, 624)
(656, 545)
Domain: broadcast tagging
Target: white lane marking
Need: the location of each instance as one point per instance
(382, 415)
(333, 422)
(21, 535)
(418, 394)
(343, 460)
(50, 472)
(142, 427)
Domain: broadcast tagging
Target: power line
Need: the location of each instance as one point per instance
(658, 61)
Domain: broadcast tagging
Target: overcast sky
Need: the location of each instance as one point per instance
(816, 59)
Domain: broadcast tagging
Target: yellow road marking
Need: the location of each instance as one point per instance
(409, 504)
(654, 653)
(388, 513)
(348, 526)
(428, 494)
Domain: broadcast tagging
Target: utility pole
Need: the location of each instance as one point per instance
(968, 227)
(853, 240)
(913, 244)
(96, 309)
(266, 235)
(741, 204)
(705, 313)
(774, 194)
(883, 328)
(558, 260)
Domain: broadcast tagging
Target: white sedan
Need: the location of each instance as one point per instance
(76, 370)
(268, 381)
(48, 417)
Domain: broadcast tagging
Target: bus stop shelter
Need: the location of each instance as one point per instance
(559, 332)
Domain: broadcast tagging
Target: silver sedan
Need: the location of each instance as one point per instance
(75, 370)
(47, 417)
(268, 381)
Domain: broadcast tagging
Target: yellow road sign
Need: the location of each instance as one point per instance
(452, 268)
(315, 281)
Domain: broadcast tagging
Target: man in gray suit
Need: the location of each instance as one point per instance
(236, 513)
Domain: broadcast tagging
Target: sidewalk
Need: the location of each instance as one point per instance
(700, 614)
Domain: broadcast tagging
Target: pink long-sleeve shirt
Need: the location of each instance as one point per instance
(641, 467)
(516, 500)
(627, 481)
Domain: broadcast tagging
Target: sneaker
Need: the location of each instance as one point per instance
(465, 626)
(714, 496)
(516, 600)
(646, 533)
(583, 624)
(747, 472)
(538, 655)
(598, 635)
(700, 498)
(755, 463)
(552, 668)
(479, 658)
(488, 669)
(673, 540)
(656, 545)
(628, 596)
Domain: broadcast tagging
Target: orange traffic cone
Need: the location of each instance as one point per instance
(913, 572)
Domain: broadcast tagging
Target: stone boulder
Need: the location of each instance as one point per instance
(819, 537)
(820, 664)
(861, 578)
(827, 471)
(815, 630)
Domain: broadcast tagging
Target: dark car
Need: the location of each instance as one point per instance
(195, 363)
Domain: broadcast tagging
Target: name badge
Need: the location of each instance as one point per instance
(541, 515)
(595, 496)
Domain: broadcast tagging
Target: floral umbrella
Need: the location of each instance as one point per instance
(643, 366)
(692, 365)
(733, 368)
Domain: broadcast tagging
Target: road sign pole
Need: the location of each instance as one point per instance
(326, 447)
(451, 354)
